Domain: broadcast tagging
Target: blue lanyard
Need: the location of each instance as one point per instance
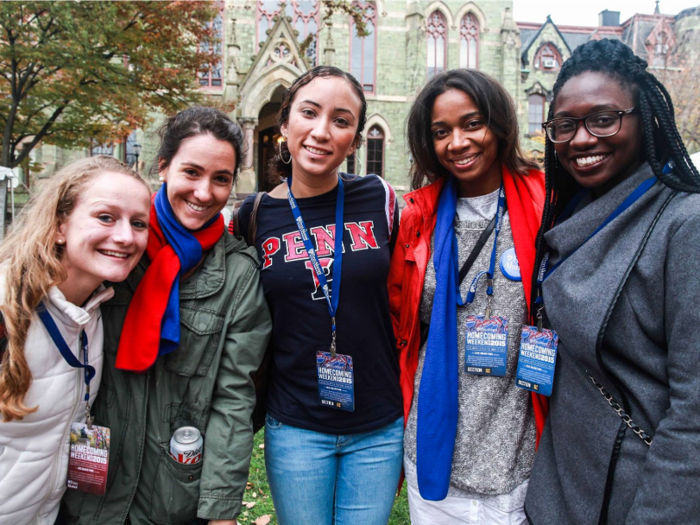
(633, 197)
(492, 264)
(331, 298)
(67, 354)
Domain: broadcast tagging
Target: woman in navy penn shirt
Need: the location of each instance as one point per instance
(334, 427)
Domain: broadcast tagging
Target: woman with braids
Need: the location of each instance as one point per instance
(334, 431)
(471, 432)
(183, 334)
(87, 224)
(618, 276)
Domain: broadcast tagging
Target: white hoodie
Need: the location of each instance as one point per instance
(34, 450)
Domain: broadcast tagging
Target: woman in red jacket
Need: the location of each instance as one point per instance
(471, 432)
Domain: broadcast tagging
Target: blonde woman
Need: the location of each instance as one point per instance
(88, 224)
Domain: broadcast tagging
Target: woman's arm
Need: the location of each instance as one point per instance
(229, 436)
(670, 481)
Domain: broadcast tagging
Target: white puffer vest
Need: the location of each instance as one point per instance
(34, 450)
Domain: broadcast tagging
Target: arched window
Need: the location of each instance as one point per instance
(375, 151)
(363, 51)
(535, 114)
(305, 19)
(548, 58)
(437, 43)
(212, 77)
(469, 42)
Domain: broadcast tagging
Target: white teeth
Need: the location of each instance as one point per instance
(115, 254)
(197, 208)
(316, 151)
(463, 162)
(587, 161)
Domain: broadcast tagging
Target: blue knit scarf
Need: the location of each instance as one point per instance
(438, 408)
(189, 250)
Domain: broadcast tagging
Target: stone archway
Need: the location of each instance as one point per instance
(266, 138)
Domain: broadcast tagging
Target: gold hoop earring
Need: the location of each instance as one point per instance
(281, 154)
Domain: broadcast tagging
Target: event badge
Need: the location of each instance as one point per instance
(336, 381)
(89, 458)
(509, 265)
(486, 345)
(537, 359)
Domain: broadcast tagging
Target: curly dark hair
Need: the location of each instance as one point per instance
(495, 105)
(661, 140)
(278, 170)
(198, 120)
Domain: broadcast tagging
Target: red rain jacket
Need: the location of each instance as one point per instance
(525, 196)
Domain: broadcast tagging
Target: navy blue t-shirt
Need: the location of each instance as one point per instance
(301, 322)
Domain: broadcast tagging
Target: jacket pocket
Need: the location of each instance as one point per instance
(200, 333)
(175, 491)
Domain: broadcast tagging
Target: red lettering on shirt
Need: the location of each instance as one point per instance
(362, 235)
(270, 247)
(295, 247)
(325, 240)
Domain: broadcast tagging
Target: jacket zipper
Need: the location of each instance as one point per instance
(66, 432)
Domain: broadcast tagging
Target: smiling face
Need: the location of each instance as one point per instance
(199, 179)
(322, 127)
(464, 144)
(596, 162)
(105, 235)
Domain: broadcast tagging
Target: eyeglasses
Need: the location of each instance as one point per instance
(599, 124)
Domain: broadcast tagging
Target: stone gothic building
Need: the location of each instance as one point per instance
(410, 40)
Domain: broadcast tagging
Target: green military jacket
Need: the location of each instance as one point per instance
(205, 382)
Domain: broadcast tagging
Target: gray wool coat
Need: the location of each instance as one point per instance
(625, 306)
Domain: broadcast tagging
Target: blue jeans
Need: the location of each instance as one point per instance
(324, 479)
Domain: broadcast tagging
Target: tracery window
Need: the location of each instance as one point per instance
(535, 114)
(212, 77)
(305, 19)
(375, 151)
(437, 43)
(469, 42)
(548, 58)
(363, 51)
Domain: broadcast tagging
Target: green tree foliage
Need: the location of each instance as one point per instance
(77, 73)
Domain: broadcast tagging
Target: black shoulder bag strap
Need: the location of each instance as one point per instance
(425, 327)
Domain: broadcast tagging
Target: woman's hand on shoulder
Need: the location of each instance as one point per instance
(223, 522)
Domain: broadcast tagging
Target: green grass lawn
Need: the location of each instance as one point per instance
(259, 500)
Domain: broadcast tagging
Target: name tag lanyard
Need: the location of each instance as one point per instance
(331, 298)
(68, 355)
(545, 271)
(492, 264)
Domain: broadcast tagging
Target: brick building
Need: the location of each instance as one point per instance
(409, 41)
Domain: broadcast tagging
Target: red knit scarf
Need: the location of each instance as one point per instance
(140, 338)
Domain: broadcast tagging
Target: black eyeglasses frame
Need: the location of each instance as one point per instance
(620, 113)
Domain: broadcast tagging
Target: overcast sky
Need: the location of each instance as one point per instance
(585, 12)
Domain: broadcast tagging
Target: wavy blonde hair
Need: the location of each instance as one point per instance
(31, 261)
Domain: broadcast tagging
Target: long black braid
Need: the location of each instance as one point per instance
(661, 139)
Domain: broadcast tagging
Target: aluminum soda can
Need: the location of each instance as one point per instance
(186, 445)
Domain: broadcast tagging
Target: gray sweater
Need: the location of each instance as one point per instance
(639, 338)
(495, 442)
